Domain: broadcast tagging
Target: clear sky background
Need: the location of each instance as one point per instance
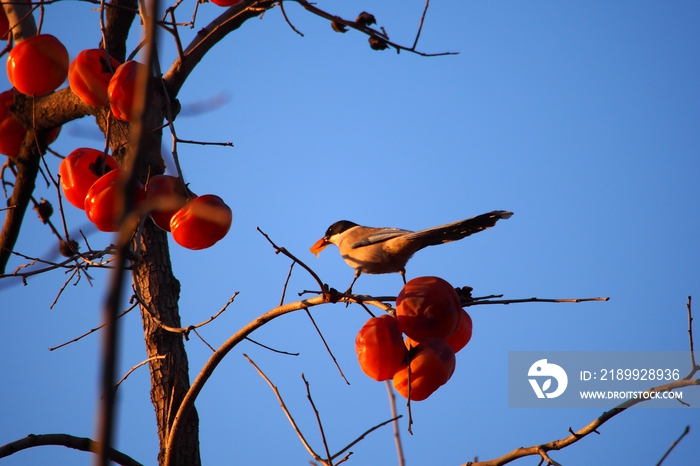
(583, 118)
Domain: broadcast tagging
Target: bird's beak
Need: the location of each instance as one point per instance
(319, 246)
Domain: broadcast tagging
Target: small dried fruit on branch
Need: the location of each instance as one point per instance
(377, 44)
(68, 248)
(366, 19)
(44, 209)
(339, 27)
(38, 65)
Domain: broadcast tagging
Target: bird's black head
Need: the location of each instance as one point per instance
(339, 227)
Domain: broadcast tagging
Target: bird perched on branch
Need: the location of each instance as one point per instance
(387, 250)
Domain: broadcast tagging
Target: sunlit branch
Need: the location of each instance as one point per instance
(286, 411)
(184, 330)
(397, 435)
(575, 436)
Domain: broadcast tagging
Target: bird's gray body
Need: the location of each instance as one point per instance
(387, 250)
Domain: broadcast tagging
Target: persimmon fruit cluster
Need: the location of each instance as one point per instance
(430, 315)
(93, 181)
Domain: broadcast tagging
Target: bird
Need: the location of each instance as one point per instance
(374, 250)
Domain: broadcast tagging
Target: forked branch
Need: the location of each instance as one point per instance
(329, 458)
(542, 449)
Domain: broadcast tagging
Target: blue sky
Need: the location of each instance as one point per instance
(582, 118)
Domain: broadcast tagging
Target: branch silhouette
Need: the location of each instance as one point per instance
(77, 443)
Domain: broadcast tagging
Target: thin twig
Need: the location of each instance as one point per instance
(270, 348)
(205, 373)
(363, 435)
(318, 419)
(90, 331)
(367, 30)
(689, 306)
(537, 300)
(203, 340)
(203, 143)
(183, 330)
(284, 13)
(76, 270)
(292, 257)
(673, 445)
(397, 435)
(308, 313)
(286, 282)
(286, 411)
(590, 428)
(420, 26)
(162, 356)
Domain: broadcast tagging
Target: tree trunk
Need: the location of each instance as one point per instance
(160, 291)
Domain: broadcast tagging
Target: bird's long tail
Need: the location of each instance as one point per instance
(457, 230)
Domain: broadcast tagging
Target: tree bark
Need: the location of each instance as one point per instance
(160, 291)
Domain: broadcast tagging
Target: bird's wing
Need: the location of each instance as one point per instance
(457, 230)
(383, 234)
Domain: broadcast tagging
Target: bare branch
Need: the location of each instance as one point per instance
(535, 300)
(375, 36)
(318, 420)
(136, 367)
(284, 251)
(420, 26)
(590, 428)
(542, 449)
(270, 348)
(689, 306)
(363, 435)
(328, 348)
(77, 443)
(673, 445)
(397, 435)
(185, 331)
(209, 36)
(286, 411)
(203, 340)
(206, 372)
(191, 395)
(284, 13)
(286, 282)
(90, 331)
